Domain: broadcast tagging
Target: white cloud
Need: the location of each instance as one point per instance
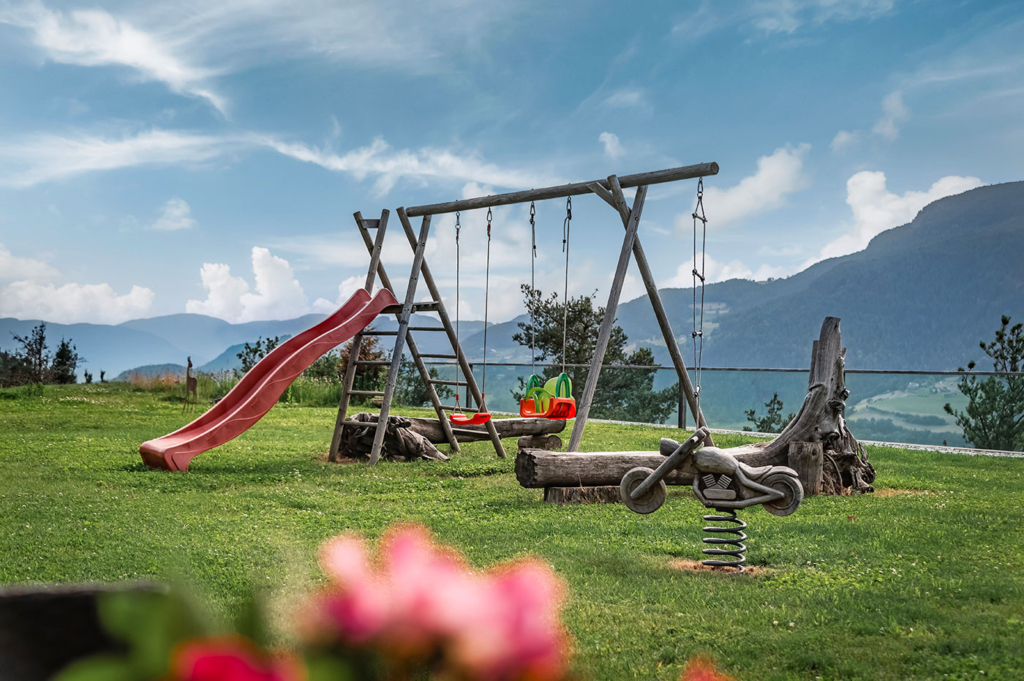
(625, 98)
(14, 267)
(612, 147)
(844, 139)
(894, 112)
(45, 158)
(716, 271)
(96, 38)
(174, 215)
(278, 294)
(876, 209)
(73, 303)
(345, 291)
(777, 176)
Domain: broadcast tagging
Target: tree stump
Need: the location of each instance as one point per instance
(806, 458)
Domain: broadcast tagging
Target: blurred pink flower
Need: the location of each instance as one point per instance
(421, 601)
(230, 659)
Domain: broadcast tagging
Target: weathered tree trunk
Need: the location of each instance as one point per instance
(410, 438)
(401, 442)
(806, 458)
(821, 419)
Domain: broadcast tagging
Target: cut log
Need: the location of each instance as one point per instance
(549, 442)
(538, 468)
(806, 459)
(607, 494)
(821, 419)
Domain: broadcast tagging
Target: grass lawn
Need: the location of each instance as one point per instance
(921, 580)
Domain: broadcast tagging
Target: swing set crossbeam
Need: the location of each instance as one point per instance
(561, 191)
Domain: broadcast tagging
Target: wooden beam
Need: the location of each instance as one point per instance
(453, 338)
(561, 191)
(608, 323)
(619, 201)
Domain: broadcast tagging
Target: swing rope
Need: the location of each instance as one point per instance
(487, 297)
(566, 224)
(458, 262)
(533, 287)
(698, 329)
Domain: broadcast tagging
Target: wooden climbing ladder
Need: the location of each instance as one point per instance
(404, 337)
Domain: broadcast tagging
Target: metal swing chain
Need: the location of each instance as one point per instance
(533, 287)
(458, 342)
(566, 224)
(487, 297)
(698, 330)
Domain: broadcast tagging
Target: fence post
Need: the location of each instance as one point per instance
(681, 418)
(467, 386)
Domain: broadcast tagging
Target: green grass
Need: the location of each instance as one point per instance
(922, 585)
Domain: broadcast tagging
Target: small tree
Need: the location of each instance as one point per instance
(34, 352)
(772, 421)
(368, 376)
(14, 370)
(252, 354)
(65, 363)
(410, 389)
(623, 393)
(87, 376)
(103, 376)
(994, 418)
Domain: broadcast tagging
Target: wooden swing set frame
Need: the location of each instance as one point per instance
(610, 190)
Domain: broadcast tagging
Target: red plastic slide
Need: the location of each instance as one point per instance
(261, 387)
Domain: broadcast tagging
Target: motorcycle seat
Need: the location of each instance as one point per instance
(754, 472)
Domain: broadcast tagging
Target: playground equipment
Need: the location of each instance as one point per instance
(261, 387)
(610, 190)
(721, 482)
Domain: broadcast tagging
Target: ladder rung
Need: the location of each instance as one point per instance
(430, 306)
(371, 224)
(374, 332)
(428, 356)
(374, 362)
(438, 381)
(426, 328)
(375, 393)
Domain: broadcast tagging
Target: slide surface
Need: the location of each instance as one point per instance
(261, 387)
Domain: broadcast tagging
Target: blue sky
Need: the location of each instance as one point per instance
(207, 157)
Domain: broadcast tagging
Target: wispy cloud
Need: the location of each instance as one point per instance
(389, 165)
(769, 17)
(97, 38)
(46, 158)
(174, 215)
(894, 112)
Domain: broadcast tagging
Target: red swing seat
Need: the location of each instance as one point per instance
(460, 419)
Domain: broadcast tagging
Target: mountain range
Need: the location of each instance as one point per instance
(920, 296)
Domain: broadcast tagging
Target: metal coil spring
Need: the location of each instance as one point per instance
(739, 536)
